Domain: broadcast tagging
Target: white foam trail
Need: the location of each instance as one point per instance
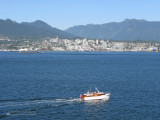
(35, 102)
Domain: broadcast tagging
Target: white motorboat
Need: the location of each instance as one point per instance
(95, 95)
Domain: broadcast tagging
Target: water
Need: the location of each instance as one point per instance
(47, 86)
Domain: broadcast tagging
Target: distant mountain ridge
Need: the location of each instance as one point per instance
(38, 24)
(32, 31)
(129, 29)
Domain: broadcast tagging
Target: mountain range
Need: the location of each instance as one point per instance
(129, 29)
(31, 31)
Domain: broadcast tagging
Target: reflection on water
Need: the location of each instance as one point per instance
(95, 102)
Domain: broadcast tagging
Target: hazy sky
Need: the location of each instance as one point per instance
(66, 13)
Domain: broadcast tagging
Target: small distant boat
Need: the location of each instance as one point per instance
(95, 95)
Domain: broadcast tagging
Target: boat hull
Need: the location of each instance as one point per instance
(101, 97)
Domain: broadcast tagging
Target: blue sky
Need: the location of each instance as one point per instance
(63, 14)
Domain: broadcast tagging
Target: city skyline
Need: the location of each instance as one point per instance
(64, 14)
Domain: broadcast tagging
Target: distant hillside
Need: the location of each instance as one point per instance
(129, 29)
(32, 31)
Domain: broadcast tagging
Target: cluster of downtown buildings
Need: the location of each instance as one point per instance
(56, 44)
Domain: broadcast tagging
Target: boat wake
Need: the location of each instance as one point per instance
(29, 107)
(38, 102)
(32, 106)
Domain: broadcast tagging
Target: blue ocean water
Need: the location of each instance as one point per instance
(48, 86)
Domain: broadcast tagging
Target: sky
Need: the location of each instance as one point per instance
(63, 14)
